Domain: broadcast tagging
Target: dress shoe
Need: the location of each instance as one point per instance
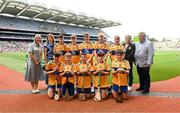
(139, 89)
(145, 91)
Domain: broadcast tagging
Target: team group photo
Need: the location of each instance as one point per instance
(83, 69)
(89, 56)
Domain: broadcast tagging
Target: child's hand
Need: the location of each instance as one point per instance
(101, 72)
(121, 70)
(67, 71)
(57, 68)
(84, 71)
(38, 62)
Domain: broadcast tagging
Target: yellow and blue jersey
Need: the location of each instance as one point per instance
(84, 80)
(120, 79)
(53, 76)
(113, 48)
(103, 78)
(86, 48)
(60, 49)
(75, 52)
(101, 46)
(67, 78)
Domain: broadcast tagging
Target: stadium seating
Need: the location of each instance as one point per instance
(32, 25)
(17, 33)
(14, 46)
(167, 45)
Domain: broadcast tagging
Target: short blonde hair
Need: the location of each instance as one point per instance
(101, 34)
(116, 36)
(86, 33)
(73, 36)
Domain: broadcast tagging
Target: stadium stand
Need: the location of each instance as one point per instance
(171, 45)
(20, 21)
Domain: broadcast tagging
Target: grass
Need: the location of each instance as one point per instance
(15, 61)
(166, 65)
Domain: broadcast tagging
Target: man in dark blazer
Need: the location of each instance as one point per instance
(129, 55)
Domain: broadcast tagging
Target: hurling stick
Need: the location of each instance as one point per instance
(56, 96)
(97, 97)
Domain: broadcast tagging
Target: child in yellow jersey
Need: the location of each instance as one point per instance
(101, 68)
(73, 48)
(53, 71)
(67, 74)
(86, 47)
(120, 70)
(114, 47)
(84, 78)
(101, 45)
(60, 48)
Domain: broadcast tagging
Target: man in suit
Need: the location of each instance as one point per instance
(129, 56)
(144, 54)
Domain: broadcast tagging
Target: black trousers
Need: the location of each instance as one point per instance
(144, 77)
(130, 77)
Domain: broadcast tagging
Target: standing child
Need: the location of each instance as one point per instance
(120, 70)
(67, 73)
(84, 78)
(73, 48)
(60, 48)
(101, 45)
(53, 71)
(86, 47)
(101, 70)
(114, 47)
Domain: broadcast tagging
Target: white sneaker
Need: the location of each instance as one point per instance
(37, 90)
(33, 91)
(130, 88)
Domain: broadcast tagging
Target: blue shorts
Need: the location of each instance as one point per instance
(86, 90)
(122, 88)
(69, 87)
(54, 86)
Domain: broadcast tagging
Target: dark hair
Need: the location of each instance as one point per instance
(56, 55)
(50, 35)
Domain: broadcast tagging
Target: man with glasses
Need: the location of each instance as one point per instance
(144, 54)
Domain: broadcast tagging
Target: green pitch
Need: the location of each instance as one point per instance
(166, 64)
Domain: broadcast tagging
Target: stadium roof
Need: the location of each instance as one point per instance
(21, 8)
